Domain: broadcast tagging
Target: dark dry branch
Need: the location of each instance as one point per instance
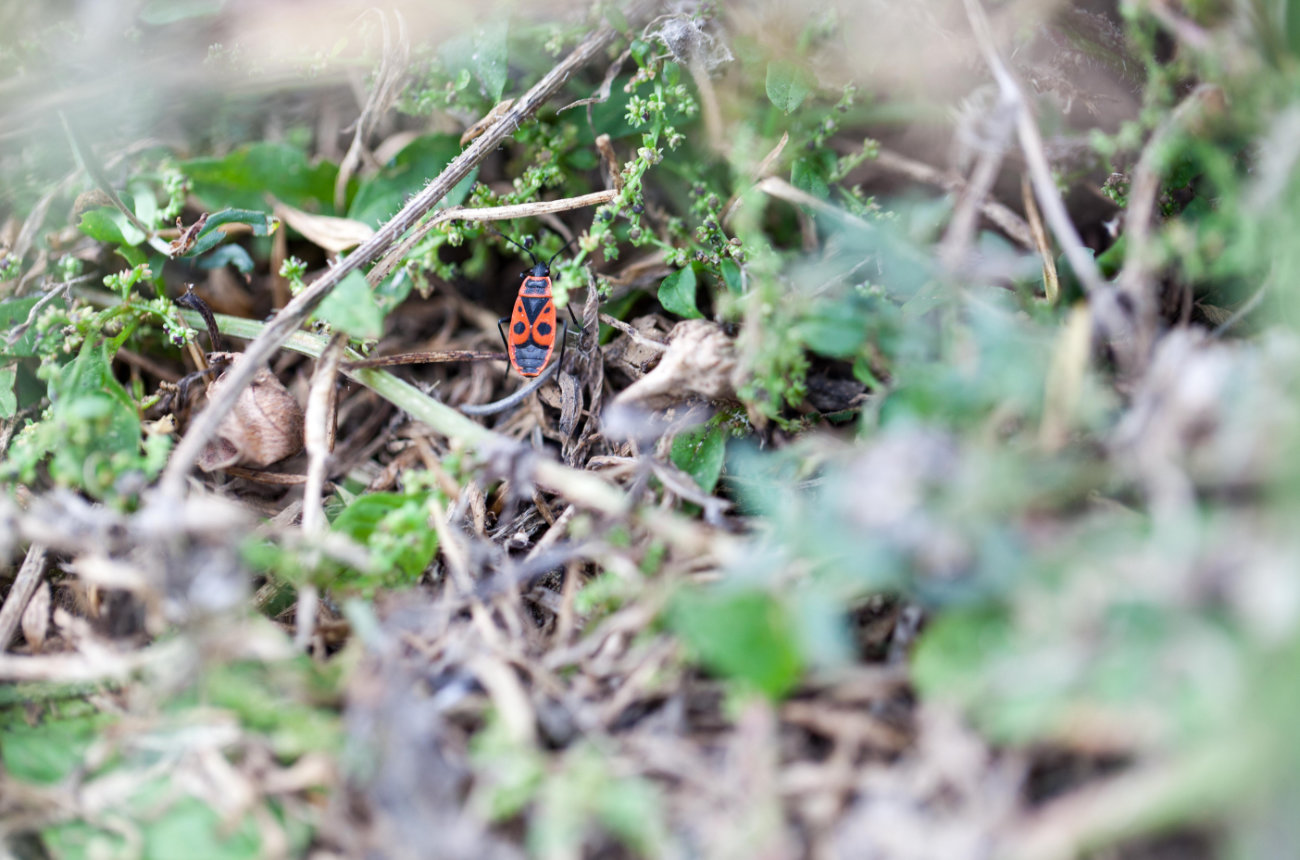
(296, 312)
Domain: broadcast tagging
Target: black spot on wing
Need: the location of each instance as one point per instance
(533, 306)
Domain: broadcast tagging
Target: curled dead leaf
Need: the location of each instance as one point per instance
(486, 122)
(265, 426)
(700, 362)
(325, 231)
(188, 236)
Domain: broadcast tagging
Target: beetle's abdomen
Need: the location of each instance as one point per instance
(530, 358)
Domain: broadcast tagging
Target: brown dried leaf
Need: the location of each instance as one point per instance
(700, 362)
(498, 111)
(264, 426)
(188, 236)
(325, 231)
(635, 352)
(36, 617)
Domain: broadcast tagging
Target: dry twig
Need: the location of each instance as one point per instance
(29, 577)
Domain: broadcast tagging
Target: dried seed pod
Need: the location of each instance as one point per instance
(265, 426)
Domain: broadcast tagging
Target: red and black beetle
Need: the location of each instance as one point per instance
(531, 336)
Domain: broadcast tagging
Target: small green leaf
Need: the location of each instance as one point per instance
(8, 398)
(742, 634)
(228, 255)
(395, 528)
(351, 307)
(188, 822)
(262, 224)
(109, 225)
(677, 294)
(830, 333)
(380, 197)
(490, 58)
(50, 750)
(14, 313)
(614, 16)
(787, 85)
(811, 173)
(732, 277)
(701, 453)
(243, 178)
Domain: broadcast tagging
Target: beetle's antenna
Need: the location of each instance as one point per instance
(524, 248)
(561, 251)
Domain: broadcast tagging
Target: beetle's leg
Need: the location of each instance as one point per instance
(564, 340)
(501, 331)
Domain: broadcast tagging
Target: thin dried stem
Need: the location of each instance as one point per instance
(1051, 281)
(388, 81)
(394, 257)
(1031, 144)
(1004, 218)
(1108, 312)
(29, 577)
(956, 243)
(320, 402)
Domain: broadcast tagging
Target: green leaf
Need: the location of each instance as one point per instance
(732, 277)
(143, 202)
(490, 58)
(262, 224)
(228, 255)
(242, 179)
(351, 307)
(485, 54)
(8, 397)
(811, 173)
(381, 197)
(788, 85)
(50, 750)
(109, 225)
(677, 294)
(395, 527)
(741, 634)
(268, 699)
(701, 453)
(92, 433)
(831, 331)
(14, 313)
